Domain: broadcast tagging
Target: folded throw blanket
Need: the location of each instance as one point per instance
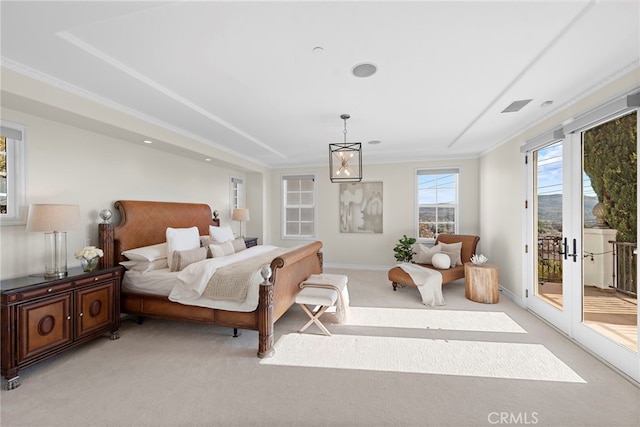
(232, 281)
(332, 281)
(429, 283)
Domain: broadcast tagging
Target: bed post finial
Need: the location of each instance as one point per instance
(265, 314)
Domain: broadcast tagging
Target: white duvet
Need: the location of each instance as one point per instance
(190, 283)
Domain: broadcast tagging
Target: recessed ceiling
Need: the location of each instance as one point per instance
(248, 77)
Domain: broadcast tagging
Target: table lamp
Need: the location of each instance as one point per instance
(240, 214)
(54, 221)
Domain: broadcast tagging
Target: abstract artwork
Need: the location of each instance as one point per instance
(361, 207)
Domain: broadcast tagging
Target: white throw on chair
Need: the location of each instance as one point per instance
(323, 291)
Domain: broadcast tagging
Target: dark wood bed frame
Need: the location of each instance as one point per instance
(144, 223)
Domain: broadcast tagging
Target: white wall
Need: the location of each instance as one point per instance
(66, 164)
(376, 250)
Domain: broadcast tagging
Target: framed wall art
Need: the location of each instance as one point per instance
(361, 207)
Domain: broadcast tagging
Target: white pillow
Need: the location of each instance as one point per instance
(238, 245)
(145, 266)
(453, 250)
(441, 261)
(181, 239)
(221, 234)
(424, 254)
(147, 253)
(221, 249)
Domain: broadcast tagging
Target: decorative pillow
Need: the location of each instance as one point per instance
(441, 261)
(147, 253)
(239, 244)
(453, 250)
(145, 266)
(221, 234)
(221, 249)
(183, 258)
(424, 253)
(181, 239)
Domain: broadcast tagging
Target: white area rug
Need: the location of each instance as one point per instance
(426, 356)
(476, 321)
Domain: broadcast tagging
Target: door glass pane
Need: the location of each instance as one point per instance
(548, 223)
(609, 303)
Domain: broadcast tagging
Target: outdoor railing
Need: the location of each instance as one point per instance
(625, 267)
(549, 259)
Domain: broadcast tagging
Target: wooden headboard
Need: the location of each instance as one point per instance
(145, 223)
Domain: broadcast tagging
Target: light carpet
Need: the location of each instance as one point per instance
(425, 356)
(452, 320)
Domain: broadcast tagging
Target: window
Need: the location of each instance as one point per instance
(299, 206)
(12, 174)
(236, 194)
(437, 202)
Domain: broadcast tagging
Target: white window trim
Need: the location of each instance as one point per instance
(240, 196)
(16, 175)
(283, 225)
(416, 210)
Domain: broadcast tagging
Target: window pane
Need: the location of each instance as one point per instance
(293, 185)
(306, 199)
(427, 214)
(306, 185)
(293, 214)
(447, 195)
(306, 214)
(293, 228)
(446, 227)
(446, 214)
(427, 230)
(307, 229)
(293, 199)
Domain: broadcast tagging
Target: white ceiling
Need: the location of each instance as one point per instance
(244, 76)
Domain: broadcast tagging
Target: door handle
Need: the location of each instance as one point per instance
(575, 251)
(564, 249)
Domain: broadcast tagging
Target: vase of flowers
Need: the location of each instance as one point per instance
(89, 257)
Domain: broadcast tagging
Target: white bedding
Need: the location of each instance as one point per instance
(186, 286)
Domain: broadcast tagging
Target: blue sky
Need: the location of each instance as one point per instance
(550, 172)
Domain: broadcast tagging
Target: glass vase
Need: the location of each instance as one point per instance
(89, 264)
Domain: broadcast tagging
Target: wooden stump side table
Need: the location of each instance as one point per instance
(481, 283)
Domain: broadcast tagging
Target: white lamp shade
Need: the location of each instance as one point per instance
(240, 214)
(53, 217)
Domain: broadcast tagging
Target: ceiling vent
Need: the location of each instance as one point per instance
(516, 106)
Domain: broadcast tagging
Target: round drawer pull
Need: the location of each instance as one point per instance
(81, 314)
(49, 290)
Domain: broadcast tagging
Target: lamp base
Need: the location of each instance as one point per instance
(57, 275)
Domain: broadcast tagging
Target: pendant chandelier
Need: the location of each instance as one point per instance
(345, 160)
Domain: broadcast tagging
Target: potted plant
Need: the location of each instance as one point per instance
(403, 252)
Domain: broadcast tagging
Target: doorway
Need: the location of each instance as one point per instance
(584, 238)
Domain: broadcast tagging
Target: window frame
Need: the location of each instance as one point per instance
(236, 193)
(284, 206)
(456, 205)
(16, 173)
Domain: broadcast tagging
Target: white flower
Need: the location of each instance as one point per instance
(89, 252)
(479, 259)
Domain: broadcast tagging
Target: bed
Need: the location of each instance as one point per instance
(144, 223)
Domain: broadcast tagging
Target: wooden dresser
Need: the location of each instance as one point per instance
(41, 318)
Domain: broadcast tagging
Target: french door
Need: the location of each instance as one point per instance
(582, 262)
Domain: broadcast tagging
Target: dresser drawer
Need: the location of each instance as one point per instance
(94, 279)
(40, 292)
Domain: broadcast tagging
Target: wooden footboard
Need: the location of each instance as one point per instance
(144, 223)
